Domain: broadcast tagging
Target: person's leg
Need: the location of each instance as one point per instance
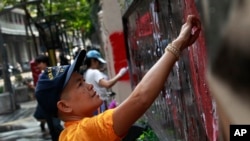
(41, 117)
(55, 128)
(57, 125)
(42, 125)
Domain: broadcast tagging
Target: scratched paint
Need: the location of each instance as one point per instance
(184, 109)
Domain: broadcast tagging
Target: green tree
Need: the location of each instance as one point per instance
(77, 13)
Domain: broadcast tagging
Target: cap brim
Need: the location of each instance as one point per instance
(75, 65)
(101, 60)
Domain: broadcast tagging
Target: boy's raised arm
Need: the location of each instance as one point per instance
(152, 83)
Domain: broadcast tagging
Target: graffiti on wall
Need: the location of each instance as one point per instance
(118, 46)
(184, 109)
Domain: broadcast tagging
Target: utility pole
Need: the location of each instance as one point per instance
(6, 74)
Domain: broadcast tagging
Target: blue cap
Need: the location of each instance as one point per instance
(52, 82)
(95, 54)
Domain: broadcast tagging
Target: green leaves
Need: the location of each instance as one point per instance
(148, 135)
(77, 13)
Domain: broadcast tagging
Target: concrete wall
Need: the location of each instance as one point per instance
(22, 94)
(5, 103)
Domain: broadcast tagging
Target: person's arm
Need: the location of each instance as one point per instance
(31, 86)
(111, 82)
(152, 83)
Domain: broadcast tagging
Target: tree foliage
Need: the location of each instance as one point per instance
(76, 13)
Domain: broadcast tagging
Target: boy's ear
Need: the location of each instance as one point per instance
(63, 106)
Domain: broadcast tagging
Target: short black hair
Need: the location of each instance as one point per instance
(87, 61)
(42, 59)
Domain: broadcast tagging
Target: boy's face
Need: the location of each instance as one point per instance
(41, 66)
(79, 98)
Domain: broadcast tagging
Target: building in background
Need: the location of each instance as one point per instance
(17, 39)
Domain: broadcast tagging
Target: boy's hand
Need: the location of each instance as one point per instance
(189, 32)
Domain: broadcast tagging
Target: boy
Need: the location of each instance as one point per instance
(63, 93)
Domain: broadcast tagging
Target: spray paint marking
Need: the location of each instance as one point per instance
(119, 52)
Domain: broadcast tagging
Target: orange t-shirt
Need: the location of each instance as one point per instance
(97, 128)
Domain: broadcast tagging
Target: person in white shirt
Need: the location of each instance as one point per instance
(93, 75)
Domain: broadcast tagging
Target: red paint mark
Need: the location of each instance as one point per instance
(143, 26)
(119, 52)
(197, 57)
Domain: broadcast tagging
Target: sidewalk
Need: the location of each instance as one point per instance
(21, 125)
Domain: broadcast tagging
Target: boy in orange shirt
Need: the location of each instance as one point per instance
(62, 92)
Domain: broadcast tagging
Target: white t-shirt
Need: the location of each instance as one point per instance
(93, 76)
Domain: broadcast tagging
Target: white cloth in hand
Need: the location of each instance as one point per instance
(122, 71)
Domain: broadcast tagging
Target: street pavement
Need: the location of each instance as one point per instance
(21, 125)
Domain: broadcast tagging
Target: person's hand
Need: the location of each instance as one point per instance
(31, 86)
(122, 71)
(189, 32)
